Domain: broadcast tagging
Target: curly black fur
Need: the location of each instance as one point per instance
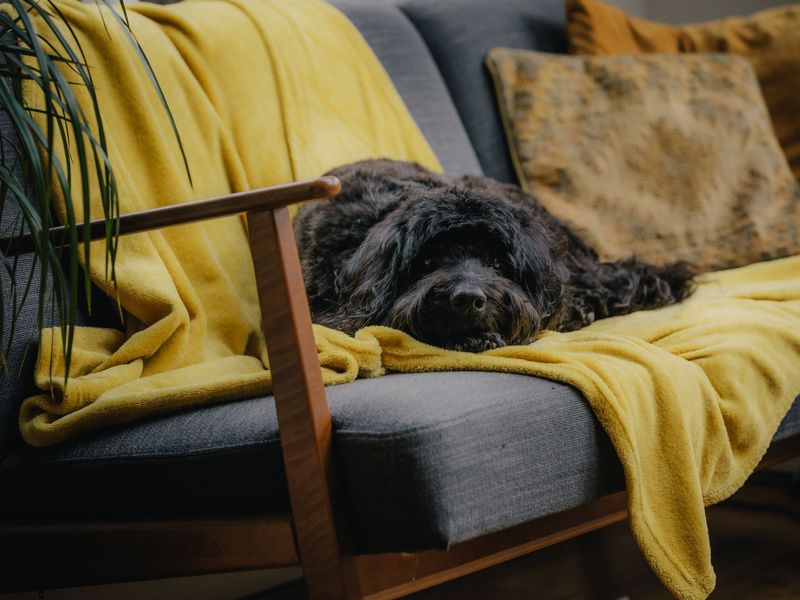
(465, 263)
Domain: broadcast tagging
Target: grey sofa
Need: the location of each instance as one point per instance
(426, 460)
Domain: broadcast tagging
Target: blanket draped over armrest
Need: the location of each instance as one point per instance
(266, 91)
(263, 92)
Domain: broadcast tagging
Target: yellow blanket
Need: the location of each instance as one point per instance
(263, 92)
(690, 395)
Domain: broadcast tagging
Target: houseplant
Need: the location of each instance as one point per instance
(38, 78)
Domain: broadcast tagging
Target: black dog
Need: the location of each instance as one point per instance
(467, 263)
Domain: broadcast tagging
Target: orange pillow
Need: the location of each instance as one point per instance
(770, 39)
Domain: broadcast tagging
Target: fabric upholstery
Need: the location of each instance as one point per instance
(408, 62)
(434, 459)
(770, 39)
(421, 457)
(791, 423)
(459, 33)
(663, 157)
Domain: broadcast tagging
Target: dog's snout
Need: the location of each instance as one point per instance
(468, 299)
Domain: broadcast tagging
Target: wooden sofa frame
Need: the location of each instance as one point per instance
(47, 555)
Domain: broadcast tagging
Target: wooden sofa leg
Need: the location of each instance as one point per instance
(303, 416)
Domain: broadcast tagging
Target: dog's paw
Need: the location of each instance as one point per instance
(479, 343)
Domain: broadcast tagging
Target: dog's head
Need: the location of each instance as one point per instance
(457, 268)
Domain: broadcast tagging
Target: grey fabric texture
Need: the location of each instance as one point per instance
(16, 382)
(791, 423)
(408, 62)
(426, 460)
(459, 33)
(223, 458)
(434, 459)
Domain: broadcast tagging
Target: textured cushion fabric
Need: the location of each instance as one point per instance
(223, 458)
(434, 459)
(664, 157)
(426, 460)
(408, 62)
(791, 423)
(459, 33)
(770, 39)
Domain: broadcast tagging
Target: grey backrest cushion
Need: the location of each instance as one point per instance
(411, 67)
(459, 33)
(16, 381)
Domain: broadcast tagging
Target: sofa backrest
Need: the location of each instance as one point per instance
(406, 58)
(459, 33)
(17, 380)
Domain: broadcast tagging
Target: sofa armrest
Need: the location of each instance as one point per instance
(304, 420)
(267, 198)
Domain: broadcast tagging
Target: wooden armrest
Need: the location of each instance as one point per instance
(268, 198)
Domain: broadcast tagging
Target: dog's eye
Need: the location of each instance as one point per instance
(427, 263)
(497, 263)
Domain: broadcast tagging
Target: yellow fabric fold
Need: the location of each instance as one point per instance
(265, 91)
(262, 92)
(690, 396)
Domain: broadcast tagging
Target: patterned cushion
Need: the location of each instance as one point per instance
(661, 156)
(770, 39)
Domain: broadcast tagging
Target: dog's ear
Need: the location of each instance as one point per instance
(540, 268)
(367, 282)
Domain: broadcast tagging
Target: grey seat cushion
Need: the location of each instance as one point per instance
(459, 33)
(408, 62)
(426, 460)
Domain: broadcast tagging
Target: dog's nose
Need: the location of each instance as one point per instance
(468, 300)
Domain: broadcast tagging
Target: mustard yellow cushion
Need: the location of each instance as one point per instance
(662, 156)
(770, 39)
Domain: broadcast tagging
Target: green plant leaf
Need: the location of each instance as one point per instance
(55, 68)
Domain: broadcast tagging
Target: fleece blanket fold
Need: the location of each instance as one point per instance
(266, 91)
